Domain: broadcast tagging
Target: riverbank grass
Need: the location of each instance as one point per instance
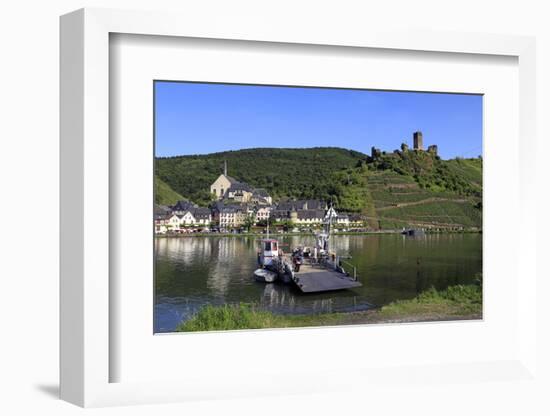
(455, 302)
(249, 316)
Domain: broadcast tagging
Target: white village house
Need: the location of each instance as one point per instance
(186, 219)
(160, 225)
(173, 222)
(263, 213)
(232, 216)
(182, 215)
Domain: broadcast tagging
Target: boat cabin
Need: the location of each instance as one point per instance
(268, 251)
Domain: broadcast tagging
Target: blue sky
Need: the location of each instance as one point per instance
(197, 118)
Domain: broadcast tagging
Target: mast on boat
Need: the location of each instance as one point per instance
(325, 236)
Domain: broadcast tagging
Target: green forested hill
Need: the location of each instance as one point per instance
(462, 176)
(299, 173)
(392, 190)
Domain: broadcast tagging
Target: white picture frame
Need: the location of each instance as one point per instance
(87, 355)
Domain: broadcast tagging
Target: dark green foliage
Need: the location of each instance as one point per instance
(248, 222)
(294, 173)
(349, 190)
(461, 176)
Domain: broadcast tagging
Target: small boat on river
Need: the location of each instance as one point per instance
(413, 232)
(273, 264)
(265, 275)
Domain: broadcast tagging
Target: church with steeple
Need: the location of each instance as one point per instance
(229, 188)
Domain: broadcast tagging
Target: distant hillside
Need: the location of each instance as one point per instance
(164, 195)
(462, 176)
(401, 202)
(400, 189)
(300, 173)
(417, 189)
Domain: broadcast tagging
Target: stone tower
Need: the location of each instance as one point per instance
(432, 149)
(417, 140)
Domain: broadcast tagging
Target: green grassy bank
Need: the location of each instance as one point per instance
(455, 302)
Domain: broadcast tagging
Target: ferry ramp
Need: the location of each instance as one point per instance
(312, 279)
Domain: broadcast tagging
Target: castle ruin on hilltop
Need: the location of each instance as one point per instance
(418, 146)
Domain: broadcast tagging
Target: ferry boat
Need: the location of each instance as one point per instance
(311, 269)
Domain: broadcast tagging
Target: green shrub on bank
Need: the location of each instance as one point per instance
(228, 317)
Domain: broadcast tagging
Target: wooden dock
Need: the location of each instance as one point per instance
(311, 279)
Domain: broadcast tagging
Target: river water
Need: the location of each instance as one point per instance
(194, 271)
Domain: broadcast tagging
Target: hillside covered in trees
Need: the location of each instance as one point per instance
(392, 190)
(284, 173)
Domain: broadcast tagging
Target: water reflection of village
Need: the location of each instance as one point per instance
(192, 272)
